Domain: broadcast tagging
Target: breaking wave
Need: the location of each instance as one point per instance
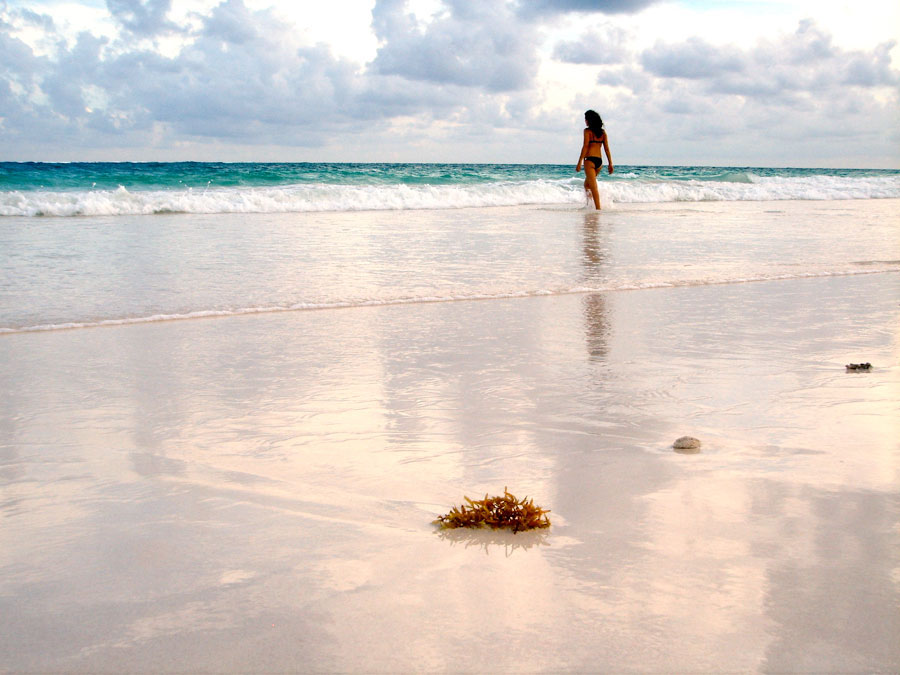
(298, 198)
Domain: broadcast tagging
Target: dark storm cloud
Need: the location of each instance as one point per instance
(474, 44)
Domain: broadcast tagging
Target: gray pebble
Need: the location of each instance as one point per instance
(686, 443)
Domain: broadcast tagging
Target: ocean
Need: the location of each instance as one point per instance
(107, 189)
(91, 244)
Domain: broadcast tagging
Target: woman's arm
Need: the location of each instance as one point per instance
(584, 147)
(606, 147)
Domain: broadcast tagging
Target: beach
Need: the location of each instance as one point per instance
(247, 483)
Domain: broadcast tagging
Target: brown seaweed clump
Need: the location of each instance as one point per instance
(496, 512)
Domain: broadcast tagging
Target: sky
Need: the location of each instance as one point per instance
(797, 83)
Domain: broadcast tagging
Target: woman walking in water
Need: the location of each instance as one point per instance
(595, 138)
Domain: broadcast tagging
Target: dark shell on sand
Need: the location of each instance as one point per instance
(859, 366)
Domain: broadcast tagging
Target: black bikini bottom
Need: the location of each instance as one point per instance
(596, 160)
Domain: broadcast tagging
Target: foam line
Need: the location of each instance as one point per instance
(299, 198)
(300, 307)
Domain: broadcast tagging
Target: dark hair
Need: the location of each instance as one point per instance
(595, 124)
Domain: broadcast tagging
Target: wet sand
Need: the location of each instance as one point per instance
(254, 493)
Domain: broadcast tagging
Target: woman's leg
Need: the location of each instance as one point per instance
(590, 182)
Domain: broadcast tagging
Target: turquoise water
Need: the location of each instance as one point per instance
(78, 176)
(80, 189)
(176, 175)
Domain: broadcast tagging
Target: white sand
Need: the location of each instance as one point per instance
(255, 493)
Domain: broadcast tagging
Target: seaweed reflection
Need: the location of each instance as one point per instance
(499, 539)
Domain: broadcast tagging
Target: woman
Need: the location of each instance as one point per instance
(595, 138)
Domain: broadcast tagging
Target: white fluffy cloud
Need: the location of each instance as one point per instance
(146, 18)
(795, 90)
(806, 61)
(475, 44)
(537, 7)
(787, 99)
(489, 81)
(241, 76)
(606, 45)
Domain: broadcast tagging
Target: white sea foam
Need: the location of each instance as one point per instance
(285, 199)
(736, 186)
(747, 187)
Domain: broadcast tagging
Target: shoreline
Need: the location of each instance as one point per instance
(412, 257)
(225, 314)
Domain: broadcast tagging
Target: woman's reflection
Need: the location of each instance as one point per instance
(596, 321)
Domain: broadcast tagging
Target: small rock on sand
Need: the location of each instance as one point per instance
(686, 443)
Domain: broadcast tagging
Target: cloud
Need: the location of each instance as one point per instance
(459, 83)
(18, 63)
(144, 18)
(473, 44)
(870, 70)
(232, 23)
(32, 18)
(628, 76)
(545, 7)
(792, 97)
(805, 62)
(604, 46)
(244, 76)
(693, 59)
